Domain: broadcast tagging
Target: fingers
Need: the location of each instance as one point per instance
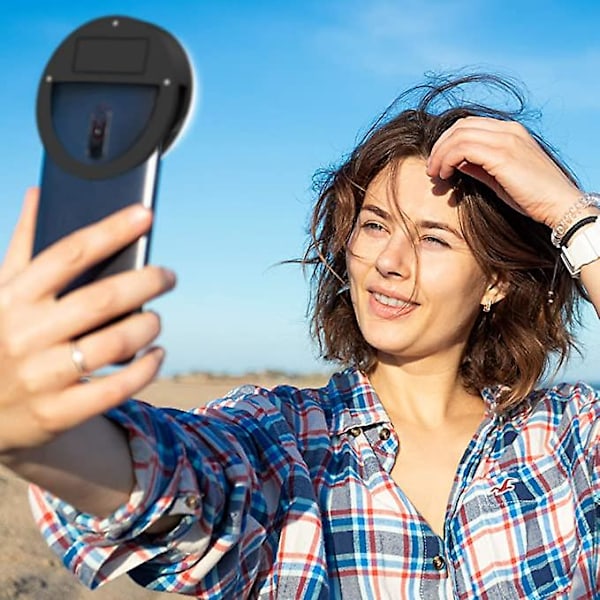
(28, 328)
(20, 248)
(46, 416)
(58, 265)
(474, 140)
(83, 401)
(96, 304)
(507, 158)
(41, 393)
(53, 368)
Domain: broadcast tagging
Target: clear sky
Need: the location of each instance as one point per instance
(283, 89)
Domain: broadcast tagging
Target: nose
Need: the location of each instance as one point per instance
(397, 256)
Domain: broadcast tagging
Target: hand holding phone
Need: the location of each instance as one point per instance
(41, 395)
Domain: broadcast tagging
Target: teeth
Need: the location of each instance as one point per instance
(391, 301)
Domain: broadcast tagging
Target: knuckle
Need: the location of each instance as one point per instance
(103, 299)
(516, 134)
(516, 127)
(119, 344)
(45, 416)
(26, 383)
(12, 347)
(71, 249)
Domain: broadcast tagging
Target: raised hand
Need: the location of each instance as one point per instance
(41, 391)
(504, 156)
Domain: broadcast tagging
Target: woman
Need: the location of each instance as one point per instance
(430, 468)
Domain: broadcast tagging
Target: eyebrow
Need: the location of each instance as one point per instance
(423, 224)
(439, 225)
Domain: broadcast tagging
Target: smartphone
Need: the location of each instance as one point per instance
(96, 123)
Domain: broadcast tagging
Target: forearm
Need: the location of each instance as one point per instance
(89, 467)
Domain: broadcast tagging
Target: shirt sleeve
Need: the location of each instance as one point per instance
(589, 415)
(590, 434)
(227, 469)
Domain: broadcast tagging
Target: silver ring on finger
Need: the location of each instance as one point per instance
(78, 359)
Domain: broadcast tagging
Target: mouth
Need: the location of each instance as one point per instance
(393, 302)
(389, 306)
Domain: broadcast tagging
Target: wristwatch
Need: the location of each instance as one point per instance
(582, 249)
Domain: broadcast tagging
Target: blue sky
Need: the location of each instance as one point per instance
(283, 89)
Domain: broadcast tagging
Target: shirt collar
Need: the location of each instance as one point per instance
(354, 402)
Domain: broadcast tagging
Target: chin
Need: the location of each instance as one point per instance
(390, 349)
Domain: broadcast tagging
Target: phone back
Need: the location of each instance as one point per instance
(96, 123)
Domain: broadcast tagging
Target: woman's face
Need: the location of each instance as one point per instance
(404, 314)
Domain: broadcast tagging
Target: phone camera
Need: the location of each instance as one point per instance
(98, 134)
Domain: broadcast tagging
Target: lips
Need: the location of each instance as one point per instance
(390, 301)
(386, 306)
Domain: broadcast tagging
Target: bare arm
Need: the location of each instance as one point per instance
(98, 484)
(88, 466)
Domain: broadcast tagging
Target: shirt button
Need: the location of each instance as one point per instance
(355, 431)
(192, 502)
(384, 434)
(439, 563)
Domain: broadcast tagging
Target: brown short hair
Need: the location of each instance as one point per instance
(513, 344)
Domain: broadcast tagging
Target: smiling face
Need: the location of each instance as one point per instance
(406, 317)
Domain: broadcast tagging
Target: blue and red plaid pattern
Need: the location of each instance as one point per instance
(287, 493)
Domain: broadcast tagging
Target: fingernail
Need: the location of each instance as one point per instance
(170, 276)
(157, 352)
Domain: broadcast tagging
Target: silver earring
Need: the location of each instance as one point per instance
(487, 306)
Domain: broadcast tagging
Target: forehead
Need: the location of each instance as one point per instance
(405, 187)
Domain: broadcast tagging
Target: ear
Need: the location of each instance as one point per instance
(495, 291)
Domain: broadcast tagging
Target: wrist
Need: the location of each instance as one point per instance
(558, 211)
(586, 204)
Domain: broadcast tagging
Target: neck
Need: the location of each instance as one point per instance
(425, 397)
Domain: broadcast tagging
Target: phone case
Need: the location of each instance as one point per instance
(96, 123)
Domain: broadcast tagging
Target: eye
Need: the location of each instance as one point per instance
(430, 239)
(373, 226)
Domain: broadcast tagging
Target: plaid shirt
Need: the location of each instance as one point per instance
(287, 493)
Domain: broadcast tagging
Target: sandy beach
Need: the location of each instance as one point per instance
(30, 571)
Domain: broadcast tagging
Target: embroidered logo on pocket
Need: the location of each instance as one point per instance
(508, 485)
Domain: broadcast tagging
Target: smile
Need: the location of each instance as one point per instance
(395, 302)
(386, 307)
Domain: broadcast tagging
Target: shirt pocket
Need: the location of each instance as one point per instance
(522, 519)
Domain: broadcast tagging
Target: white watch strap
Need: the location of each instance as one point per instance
(583, 249)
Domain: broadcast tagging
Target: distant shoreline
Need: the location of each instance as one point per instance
(281, 374)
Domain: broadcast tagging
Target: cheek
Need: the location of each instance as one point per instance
(455, 286)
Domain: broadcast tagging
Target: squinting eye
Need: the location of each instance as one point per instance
(373, 226)
(433, 240)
